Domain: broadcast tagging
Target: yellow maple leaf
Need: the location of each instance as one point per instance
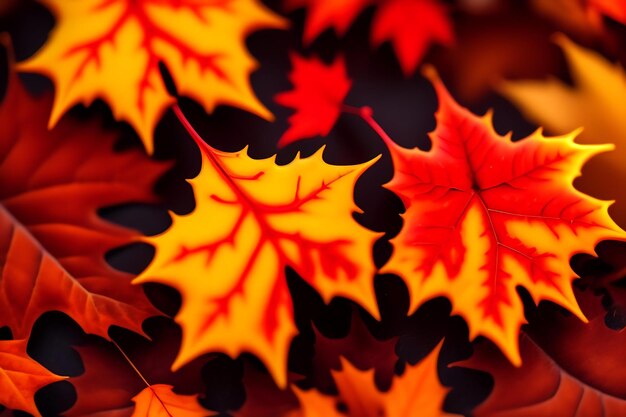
(416, 392)
(252, 219)
(160, 401)
(596, 103)
(111, 49)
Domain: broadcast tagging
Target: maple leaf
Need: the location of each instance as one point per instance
(21, 377)
(111, 49)
(409, 25)
(52, 241)
(539, 388)
(109, 381)
(264, 398)
(563, 371)
(252, 219)
(615, 9)
(582, 18)
(418, 389)
(319, 91)
(594, 103)
(325, 14)
(359, 347)
(485, 215)
(493, 46)
(107, 385)
(161, 401)
(607, 279)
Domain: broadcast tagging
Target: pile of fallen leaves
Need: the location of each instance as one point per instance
(312, 208)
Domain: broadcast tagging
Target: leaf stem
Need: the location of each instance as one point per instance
(367, 114)
(145, 381)
(138, 372)
(192, 132)
(209, 151)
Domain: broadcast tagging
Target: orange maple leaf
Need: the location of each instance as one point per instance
(111, 49)
(252, 219)
(161, 401)
(417, 391)
(21, 377)
(358, 349)
(591, 100)
(52, 241)
(485, 215)
(409, 25)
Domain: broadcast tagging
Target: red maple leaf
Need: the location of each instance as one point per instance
(486, 214)
(615, 9)
(319, 91)
(409, 25)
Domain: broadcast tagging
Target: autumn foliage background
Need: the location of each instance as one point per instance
(431, 272)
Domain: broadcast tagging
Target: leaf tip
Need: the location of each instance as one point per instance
(561, 40)
(443, 95)
(430, 72)
(604, 147)
(374, 159)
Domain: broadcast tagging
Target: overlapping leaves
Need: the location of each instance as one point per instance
(52, 240)
(484, 216)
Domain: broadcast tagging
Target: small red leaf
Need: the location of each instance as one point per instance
(395, 21)
(319, 91)
(409, 25)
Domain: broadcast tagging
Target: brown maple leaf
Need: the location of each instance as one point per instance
(264, 398)
(52, 241)
(570, 369)
(360, 348)
(109, 381)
